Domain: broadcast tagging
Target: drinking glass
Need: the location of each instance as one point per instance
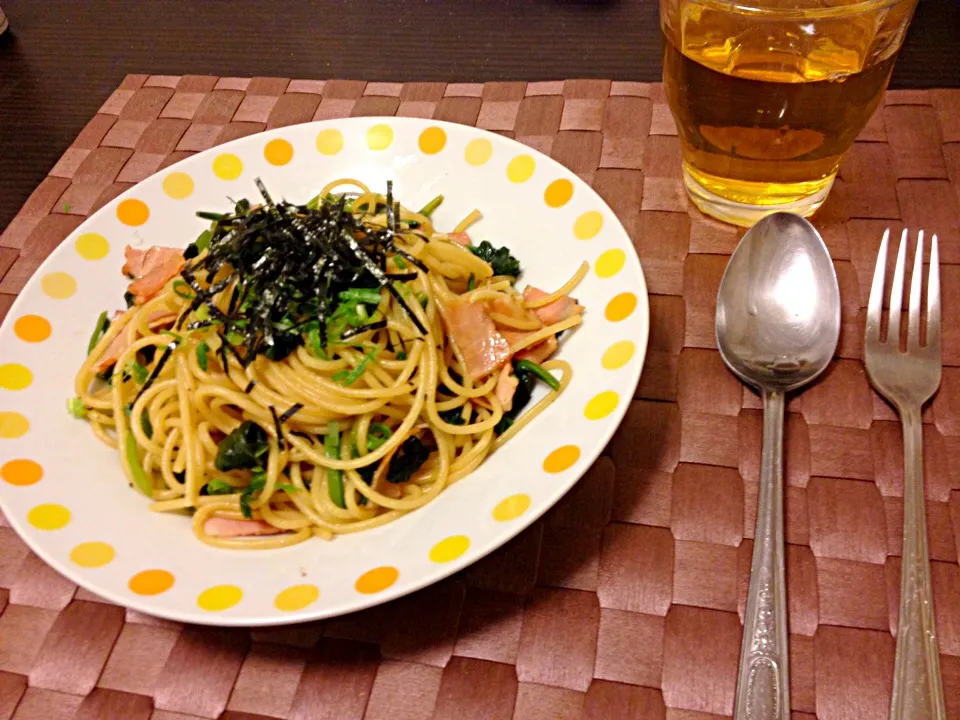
(768, 95)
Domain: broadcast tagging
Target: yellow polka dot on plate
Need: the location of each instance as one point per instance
(432, 140)
(610, 263)
(618, 355)
(13, 425)
(329, 142)
(178, 185)
(561, 459)
(49, 516)
(511, 508)
(449, 549)
(380, 137)
(558, 193)
(588, 225)
(296, 597)
(32, 328)
(14, 376)
(521, 168)
(621, 307)
(91, 246)
(92, 554)
(58, 285)
(478, 152)
(278, 152)
(376, 580)
(601, 405)
(21, 472)
(219, 597)
(151, 582)
(133, 212)
(227, 166)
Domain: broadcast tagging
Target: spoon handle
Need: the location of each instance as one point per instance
(763, 685)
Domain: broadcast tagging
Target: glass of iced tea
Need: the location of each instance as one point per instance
(769, 94)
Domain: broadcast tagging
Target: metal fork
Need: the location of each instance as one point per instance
(908, 379)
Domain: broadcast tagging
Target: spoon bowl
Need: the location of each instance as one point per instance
(778, 311)
(778, 322)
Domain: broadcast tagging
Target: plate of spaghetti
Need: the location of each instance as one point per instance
(315, 369)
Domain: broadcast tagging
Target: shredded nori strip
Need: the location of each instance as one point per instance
(353, 332)
(250, 386)
(294, 409)
(167, 352)
(276, 425)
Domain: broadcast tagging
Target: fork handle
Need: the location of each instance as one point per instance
(917, 688)
(763, 686)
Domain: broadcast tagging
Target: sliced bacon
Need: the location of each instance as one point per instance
(117, 346)
(484, 349)
(554, 312)
(512, 307)
(506, 386)
(540, 352)
(229, 528)
(151, 270)
(460, 238)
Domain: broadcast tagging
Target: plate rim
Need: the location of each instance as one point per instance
(441, 571)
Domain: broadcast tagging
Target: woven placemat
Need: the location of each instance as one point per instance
(624, 601)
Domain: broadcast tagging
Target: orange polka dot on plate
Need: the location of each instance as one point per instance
(151, 582)
(621, 307)
(49, 516)
(618, 355)
(561, 459)
(558, 193)
(219, 597)
(296, 597)
(521, 168)
(511, 508)
(14, 376)
(432, 140)
(92, 554)
(380, 137)
(133, 212)
(610, 263)
(601, 405)
(377, 580)
(58, 285)
(13, 425)
(588, 225)
(21, 472)
(449, 549)
(32, 328)
(92, 246)
(227, 166)
(178, 185)
(278, 152)
(329, 142)
(478, 151)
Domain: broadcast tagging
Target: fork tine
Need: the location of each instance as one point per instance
(896, 292)
(933, 299)
(916, 284)
(875, 305)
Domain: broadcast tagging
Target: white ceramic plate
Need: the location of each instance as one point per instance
(65, 493)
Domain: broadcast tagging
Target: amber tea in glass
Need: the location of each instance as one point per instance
(768, 95)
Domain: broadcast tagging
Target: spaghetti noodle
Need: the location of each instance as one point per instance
(319, 369)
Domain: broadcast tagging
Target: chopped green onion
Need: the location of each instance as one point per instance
(178, 286)
(349, 377)
(219, 487)
(202, 313)
(234, 338)
(422, 299)
(209, 215)
(427, 210)
(472, 283)
(140, 478)
(547, 377)
(401, 263)
(176, 336)
(99, 330)
(139, 372)
(76, 408)
(360, 295)
(402, 355)
(146, 425)
(202, 350)
(331, 446)
(286, 487)
(377, 436)
(203, 241)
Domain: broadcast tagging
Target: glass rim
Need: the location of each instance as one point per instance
(750, 7)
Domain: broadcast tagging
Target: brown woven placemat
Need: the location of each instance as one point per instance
(624, 601)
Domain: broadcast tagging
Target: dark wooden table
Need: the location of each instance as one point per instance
(61, 58)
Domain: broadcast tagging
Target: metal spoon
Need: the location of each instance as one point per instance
(778, 321)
